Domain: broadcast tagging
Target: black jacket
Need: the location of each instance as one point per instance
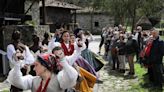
(131, 46)
(156, 52)
(121, 48)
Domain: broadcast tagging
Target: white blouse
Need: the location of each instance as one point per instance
(28, 57)
(66, 77)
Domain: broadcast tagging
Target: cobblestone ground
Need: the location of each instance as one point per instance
(4, 87)
(113, 81)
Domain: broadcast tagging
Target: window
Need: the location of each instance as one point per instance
(96, 24)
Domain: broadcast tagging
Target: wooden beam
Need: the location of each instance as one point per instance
(44, 12)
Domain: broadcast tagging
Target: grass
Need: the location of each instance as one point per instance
(140, 71)
(143, 81)
(162, 37)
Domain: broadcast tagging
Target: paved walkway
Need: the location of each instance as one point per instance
(113, 81)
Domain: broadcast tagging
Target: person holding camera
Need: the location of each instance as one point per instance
(18, 51)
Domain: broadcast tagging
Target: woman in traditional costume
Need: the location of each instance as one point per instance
(68, 48)
(50, 78)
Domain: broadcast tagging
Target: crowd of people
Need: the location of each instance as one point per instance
(121, 47)
(61, 63)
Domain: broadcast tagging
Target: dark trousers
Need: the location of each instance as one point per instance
(15, 89)
(101, 42)
(150, 72)
(115, 61)
(155, 74)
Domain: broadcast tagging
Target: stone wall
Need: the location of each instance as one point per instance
(41, 30)
(34, 12)
(26, 34)
(84, 20)
(57, 16)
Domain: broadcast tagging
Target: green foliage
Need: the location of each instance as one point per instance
(30, 23)
(143, 84)
(125, 9)
(140, 70)
(151, 7)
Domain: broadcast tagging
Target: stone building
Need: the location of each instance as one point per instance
(14, 15)
(95, 21)
(32, 8)
(25, 16)
(58, 14)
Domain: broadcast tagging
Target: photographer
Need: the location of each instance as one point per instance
(17, 50)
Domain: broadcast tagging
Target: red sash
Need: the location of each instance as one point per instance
(147, 49)
(45, 87)
(67, 51)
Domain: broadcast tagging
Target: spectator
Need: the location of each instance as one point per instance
(131, 50)
(46, 39)
(114, 52)
(102, 40)
(155, 57)
(137, 37)
(121, 53)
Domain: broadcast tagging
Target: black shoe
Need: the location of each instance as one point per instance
(159, 88)
(122, 70)
(113, 69)
(131, 73)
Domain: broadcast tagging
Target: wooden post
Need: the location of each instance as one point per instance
(44, 12)
(74, 16)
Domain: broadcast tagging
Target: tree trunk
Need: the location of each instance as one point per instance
(133, 17)
(122, 20)
(127, 23)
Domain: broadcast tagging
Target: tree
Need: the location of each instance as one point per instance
(134, 9)
(123, 10)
